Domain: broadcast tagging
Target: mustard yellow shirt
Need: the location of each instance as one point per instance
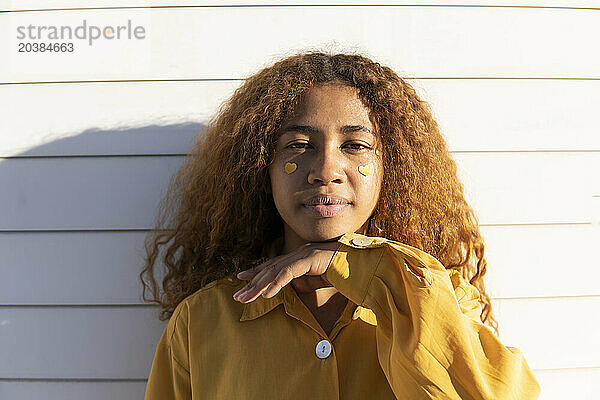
(410, 330)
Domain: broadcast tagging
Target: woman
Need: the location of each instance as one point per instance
(327, 250)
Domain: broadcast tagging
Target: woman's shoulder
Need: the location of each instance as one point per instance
(214, 298)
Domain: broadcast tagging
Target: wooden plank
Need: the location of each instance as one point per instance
(123, 192)
(514, 115)
(579, 383)
(71, 267)
(109, 118)
(541, 261)
(91, 193)
(103, 267)
(119, 342)
(459, 42)
(73, 390)
(78, 342)
(530, 188)
(552, 333)
(151, 117)
(7, 5)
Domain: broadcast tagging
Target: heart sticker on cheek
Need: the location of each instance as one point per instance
(290, 167)
(364, 169)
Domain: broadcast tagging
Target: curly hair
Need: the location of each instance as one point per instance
(218, 216)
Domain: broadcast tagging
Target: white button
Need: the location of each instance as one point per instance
(362, 241)
(323, 349)
(356, 313)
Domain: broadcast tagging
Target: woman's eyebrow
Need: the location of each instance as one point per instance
(346, 129)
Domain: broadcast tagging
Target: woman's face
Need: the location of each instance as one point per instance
(326, 147)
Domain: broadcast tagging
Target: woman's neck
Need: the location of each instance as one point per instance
(292, 240)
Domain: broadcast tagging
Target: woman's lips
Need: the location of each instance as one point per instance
(326, 210)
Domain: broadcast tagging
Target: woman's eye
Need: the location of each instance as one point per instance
(353, 146)
(297, 144)
(358, 146)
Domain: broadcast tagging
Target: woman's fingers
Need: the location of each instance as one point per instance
(270, 281)
(250, 273)
(247, 274)
(260, 282)
(257, 284)
(283, 277)
(269, 277)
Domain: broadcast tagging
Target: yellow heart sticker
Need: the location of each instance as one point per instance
(364, 169)
(290, 167)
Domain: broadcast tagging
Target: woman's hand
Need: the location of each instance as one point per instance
(311, 259)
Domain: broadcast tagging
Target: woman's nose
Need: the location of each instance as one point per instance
(326, 166)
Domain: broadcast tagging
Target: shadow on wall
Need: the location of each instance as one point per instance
(77, 210)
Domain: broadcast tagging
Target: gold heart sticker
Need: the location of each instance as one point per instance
(364, 169)
(290, 167)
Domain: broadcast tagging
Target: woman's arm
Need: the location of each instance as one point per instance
(430, 340)
(170, 377)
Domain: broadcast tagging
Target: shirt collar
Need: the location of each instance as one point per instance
(261, 305)
(287, 295)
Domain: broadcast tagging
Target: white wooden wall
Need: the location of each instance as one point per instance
(89, 140)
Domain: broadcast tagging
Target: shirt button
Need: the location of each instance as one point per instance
(323, 349)
(362, 241)
(356, 313)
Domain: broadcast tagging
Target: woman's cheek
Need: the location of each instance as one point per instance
(369, 176)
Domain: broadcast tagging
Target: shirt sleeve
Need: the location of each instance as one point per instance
(169, 377)
(431, 343)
